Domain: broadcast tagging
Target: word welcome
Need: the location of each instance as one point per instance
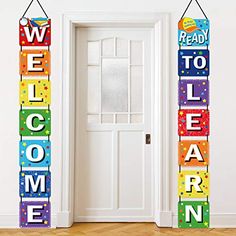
(35, 121)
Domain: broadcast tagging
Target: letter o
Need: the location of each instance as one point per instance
(196, 62)
(30, 150)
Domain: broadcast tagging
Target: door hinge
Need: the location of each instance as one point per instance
(148, 138)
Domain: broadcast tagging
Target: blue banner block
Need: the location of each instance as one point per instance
(35, 153)
(193, 32)
(193, 62)
(35, 184)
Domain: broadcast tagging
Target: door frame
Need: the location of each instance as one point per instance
(159, 106)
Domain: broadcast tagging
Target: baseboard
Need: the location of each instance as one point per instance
(217, 220)
(64, 219)
(164, 219)
(9, 221)
(113, 219)
(12, 221)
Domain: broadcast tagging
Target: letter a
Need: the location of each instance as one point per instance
(193, 152)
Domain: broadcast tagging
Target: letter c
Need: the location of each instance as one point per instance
(30, 122)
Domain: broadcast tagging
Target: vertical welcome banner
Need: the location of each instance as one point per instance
(193, 121)
(35, 121)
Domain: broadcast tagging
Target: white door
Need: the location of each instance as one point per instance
(113, 166)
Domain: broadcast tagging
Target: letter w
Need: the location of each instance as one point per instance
(35, 32)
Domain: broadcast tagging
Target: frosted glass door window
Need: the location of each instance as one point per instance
(114, 85)
(115, 81)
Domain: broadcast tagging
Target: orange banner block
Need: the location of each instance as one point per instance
(193, 153)
(35, 62)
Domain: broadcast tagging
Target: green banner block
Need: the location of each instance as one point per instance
(193, 214)
(35, 122)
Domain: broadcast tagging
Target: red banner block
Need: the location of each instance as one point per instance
(193, 122)
(35, 32)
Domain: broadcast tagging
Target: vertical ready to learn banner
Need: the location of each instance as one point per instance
(193, 121)
(35, 120)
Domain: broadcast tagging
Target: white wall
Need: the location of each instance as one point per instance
(222, 76)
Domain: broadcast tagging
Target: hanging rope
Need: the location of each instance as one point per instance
(189, 6)
(30, 6)
(201, 8)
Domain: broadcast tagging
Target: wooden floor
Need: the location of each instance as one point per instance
(119, 229)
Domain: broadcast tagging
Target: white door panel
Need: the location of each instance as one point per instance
(113, 165)
(131, 170)
(95, 179)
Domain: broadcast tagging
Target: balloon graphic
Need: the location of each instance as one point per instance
(188, 25)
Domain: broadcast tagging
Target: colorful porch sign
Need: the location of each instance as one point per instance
(35, 121)
(193, 121)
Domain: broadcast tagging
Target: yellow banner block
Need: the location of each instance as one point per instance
(35, 92)
(193, 184)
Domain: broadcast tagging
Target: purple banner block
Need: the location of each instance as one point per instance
(35, 214)
(193, 93)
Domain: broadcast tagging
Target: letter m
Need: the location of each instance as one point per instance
(31, 183)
